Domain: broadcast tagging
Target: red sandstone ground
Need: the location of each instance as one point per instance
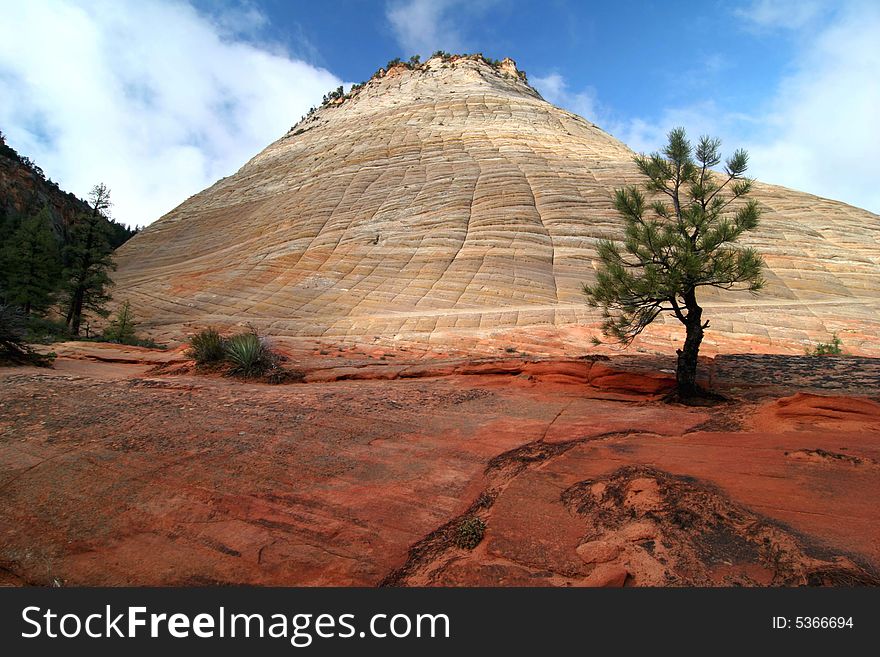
(115, 472)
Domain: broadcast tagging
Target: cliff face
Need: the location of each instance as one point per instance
(25, 190)
(452, 200)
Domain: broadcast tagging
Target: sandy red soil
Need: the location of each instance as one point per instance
(113, 472)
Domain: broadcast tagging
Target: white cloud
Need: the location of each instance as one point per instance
(421, 27)
(785, 14)
(817, 131)
(425, 26)
(822, 132)
(554, 89)
(153, 98)
(700, 118)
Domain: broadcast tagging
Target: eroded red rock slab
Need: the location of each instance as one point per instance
(113, 475)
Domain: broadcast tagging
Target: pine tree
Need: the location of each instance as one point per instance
(31, 264)
(680, 240)
(121, 329)
(88, 258)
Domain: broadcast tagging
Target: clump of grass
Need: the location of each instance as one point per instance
(207, 348)
(248, 355)
(470, 532)
(243, 355)
(832, 348)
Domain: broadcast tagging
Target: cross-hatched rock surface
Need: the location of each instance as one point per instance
(450, 201)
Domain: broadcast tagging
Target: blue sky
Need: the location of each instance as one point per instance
(631, 54)
(159, 98)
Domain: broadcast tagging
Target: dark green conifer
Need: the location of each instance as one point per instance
(676, 241)
(31, 265)
(88, 259)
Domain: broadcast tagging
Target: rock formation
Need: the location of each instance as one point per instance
(451, 200)
(25, 190)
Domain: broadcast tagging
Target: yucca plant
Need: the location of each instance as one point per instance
(207, 347)
(248, 355)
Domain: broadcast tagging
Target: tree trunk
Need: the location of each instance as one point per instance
(686, 367)
(76, 313)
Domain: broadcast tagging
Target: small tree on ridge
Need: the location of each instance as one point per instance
(89, 258)
(676, 242)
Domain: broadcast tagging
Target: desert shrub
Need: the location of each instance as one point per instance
(832, 348)
(470, 532)
(147, 342)
(44, 330)
(248, 356)
(13, 348)
(12, 330)
(207, 348)
(121, 329)
(330, 96)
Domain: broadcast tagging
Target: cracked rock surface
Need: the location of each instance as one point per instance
(114, 474)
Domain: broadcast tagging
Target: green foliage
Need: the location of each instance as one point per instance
(44, 330)
(414, 61)
(674, 245)
(470, 532)
(12, 332)
(148, 342)
(207, 348)
(88, 261)
(392, 63)
(336, 94)
(30, 264)
(247, 355)
(243, 354)
(13, 347)
(118, 234)
(677, 239)
(121, 329)
(833, 348)
(442, 54)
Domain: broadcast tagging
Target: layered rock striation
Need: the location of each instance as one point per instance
(451, 200)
